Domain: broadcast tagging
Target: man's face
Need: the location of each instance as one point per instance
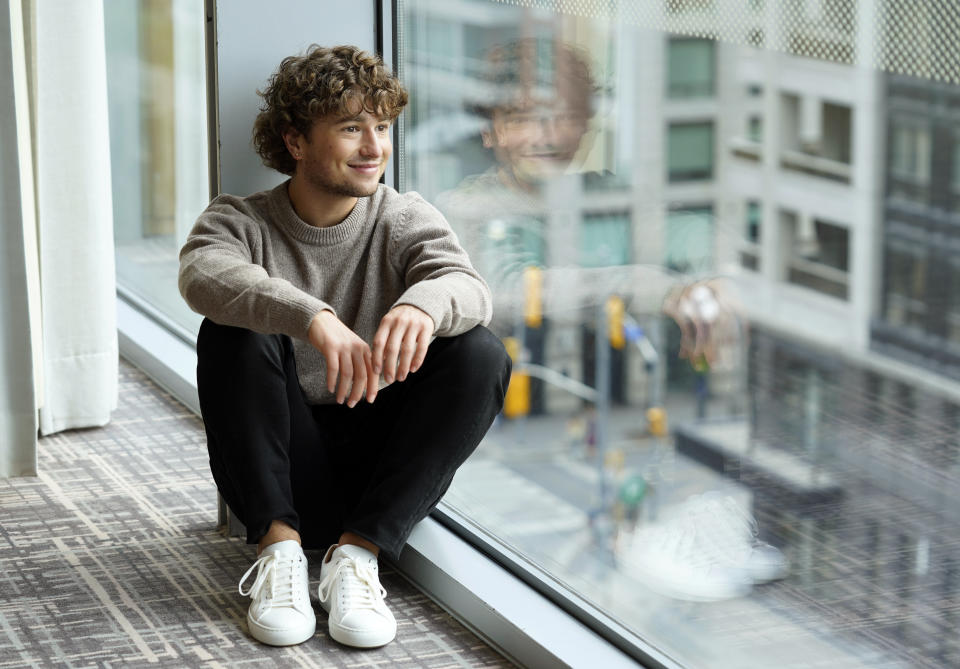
(346, 156)
(537, 141)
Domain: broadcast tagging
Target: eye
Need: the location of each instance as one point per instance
(383, 127)
(351, 128)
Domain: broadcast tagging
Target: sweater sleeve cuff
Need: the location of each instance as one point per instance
(301, 312)
(426, 300)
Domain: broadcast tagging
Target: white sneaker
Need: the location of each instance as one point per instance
(670, 558)
(280, 613)
(707, 550)
(351, 593)
(733, 537)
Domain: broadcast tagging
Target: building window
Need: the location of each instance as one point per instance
(955, 165)
(816, 137)
(909, 160)
(755, 129)
(836, 136)
(689, 242)
(906, 292)
(690, 151)
(953, 303)
(750, 252)
(910, 152)
(819, 255)
(605, 239)
(690, 68)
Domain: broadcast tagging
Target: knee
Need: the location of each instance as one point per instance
(480, 356)
(219, 345)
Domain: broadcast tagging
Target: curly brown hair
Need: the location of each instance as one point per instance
(526, 68)
(322, 82)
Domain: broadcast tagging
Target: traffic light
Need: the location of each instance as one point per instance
(533, 296)
(615, 313)
(657, 421)
(517, 400)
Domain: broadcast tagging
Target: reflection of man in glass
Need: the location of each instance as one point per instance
(536, 125)
(537, 100)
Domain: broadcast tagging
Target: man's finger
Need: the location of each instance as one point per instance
(333, 368)
(373, 378)
(379, 342)
(392, 352)
(359, 380)
(423, 344)
(346, 378)
(407, 350)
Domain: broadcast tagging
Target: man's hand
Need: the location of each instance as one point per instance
(709, 320)
(347, 355)
(401, 342)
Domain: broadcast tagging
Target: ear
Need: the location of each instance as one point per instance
(294, 141)
(487, 136)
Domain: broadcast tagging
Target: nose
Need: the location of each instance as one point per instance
(371, 148)
(546, 130)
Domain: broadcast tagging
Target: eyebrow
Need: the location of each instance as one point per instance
(357, 119)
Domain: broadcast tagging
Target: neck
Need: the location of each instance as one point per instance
(509, 179)
(320, 209)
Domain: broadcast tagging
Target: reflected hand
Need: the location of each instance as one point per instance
(347, 356)
(709, 320)
(400, 343)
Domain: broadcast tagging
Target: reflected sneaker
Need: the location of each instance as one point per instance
(733, 537)
(670, 558)
(708, 550)
(280, 613)
(351, 593)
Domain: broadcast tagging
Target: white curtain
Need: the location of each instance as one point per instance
(18, 406)
(58, 335)
(75, 216)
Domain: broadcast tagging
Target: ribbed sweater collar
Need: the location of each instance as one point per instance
(343, 231)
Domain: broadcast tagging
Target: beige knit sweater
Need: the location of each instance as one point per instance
(252, 262)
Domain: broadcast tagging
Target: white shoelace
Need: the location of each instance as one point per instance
(360, 585)
(726, 527)
(281, 572)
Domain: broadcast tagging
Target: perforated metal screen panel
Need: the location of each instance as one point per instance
(915, 37)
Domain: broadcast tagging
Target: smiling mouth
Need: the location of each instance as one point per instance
(366, 168)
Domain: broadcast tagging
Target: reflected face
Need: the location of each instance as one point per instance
(536, 141)
(346, 156)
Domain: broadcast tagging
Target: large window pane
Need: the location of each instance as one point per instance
(600, 169)
(158, 146)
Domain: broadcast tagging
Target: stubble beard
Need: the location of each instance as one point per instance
(345, 188)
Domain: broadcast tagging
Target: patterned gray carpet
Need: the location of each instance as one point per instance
(111, 558)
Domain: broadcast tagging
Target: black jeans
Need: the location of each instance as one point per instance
(375, 470)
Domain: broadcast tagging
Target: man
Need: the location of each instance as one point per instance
(312, 291)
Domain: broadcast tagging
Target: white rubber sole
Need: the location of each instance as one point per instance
(360, 638)
(280, 637)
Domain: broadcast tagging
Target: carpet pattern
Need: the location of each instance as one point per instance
(110, 557)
